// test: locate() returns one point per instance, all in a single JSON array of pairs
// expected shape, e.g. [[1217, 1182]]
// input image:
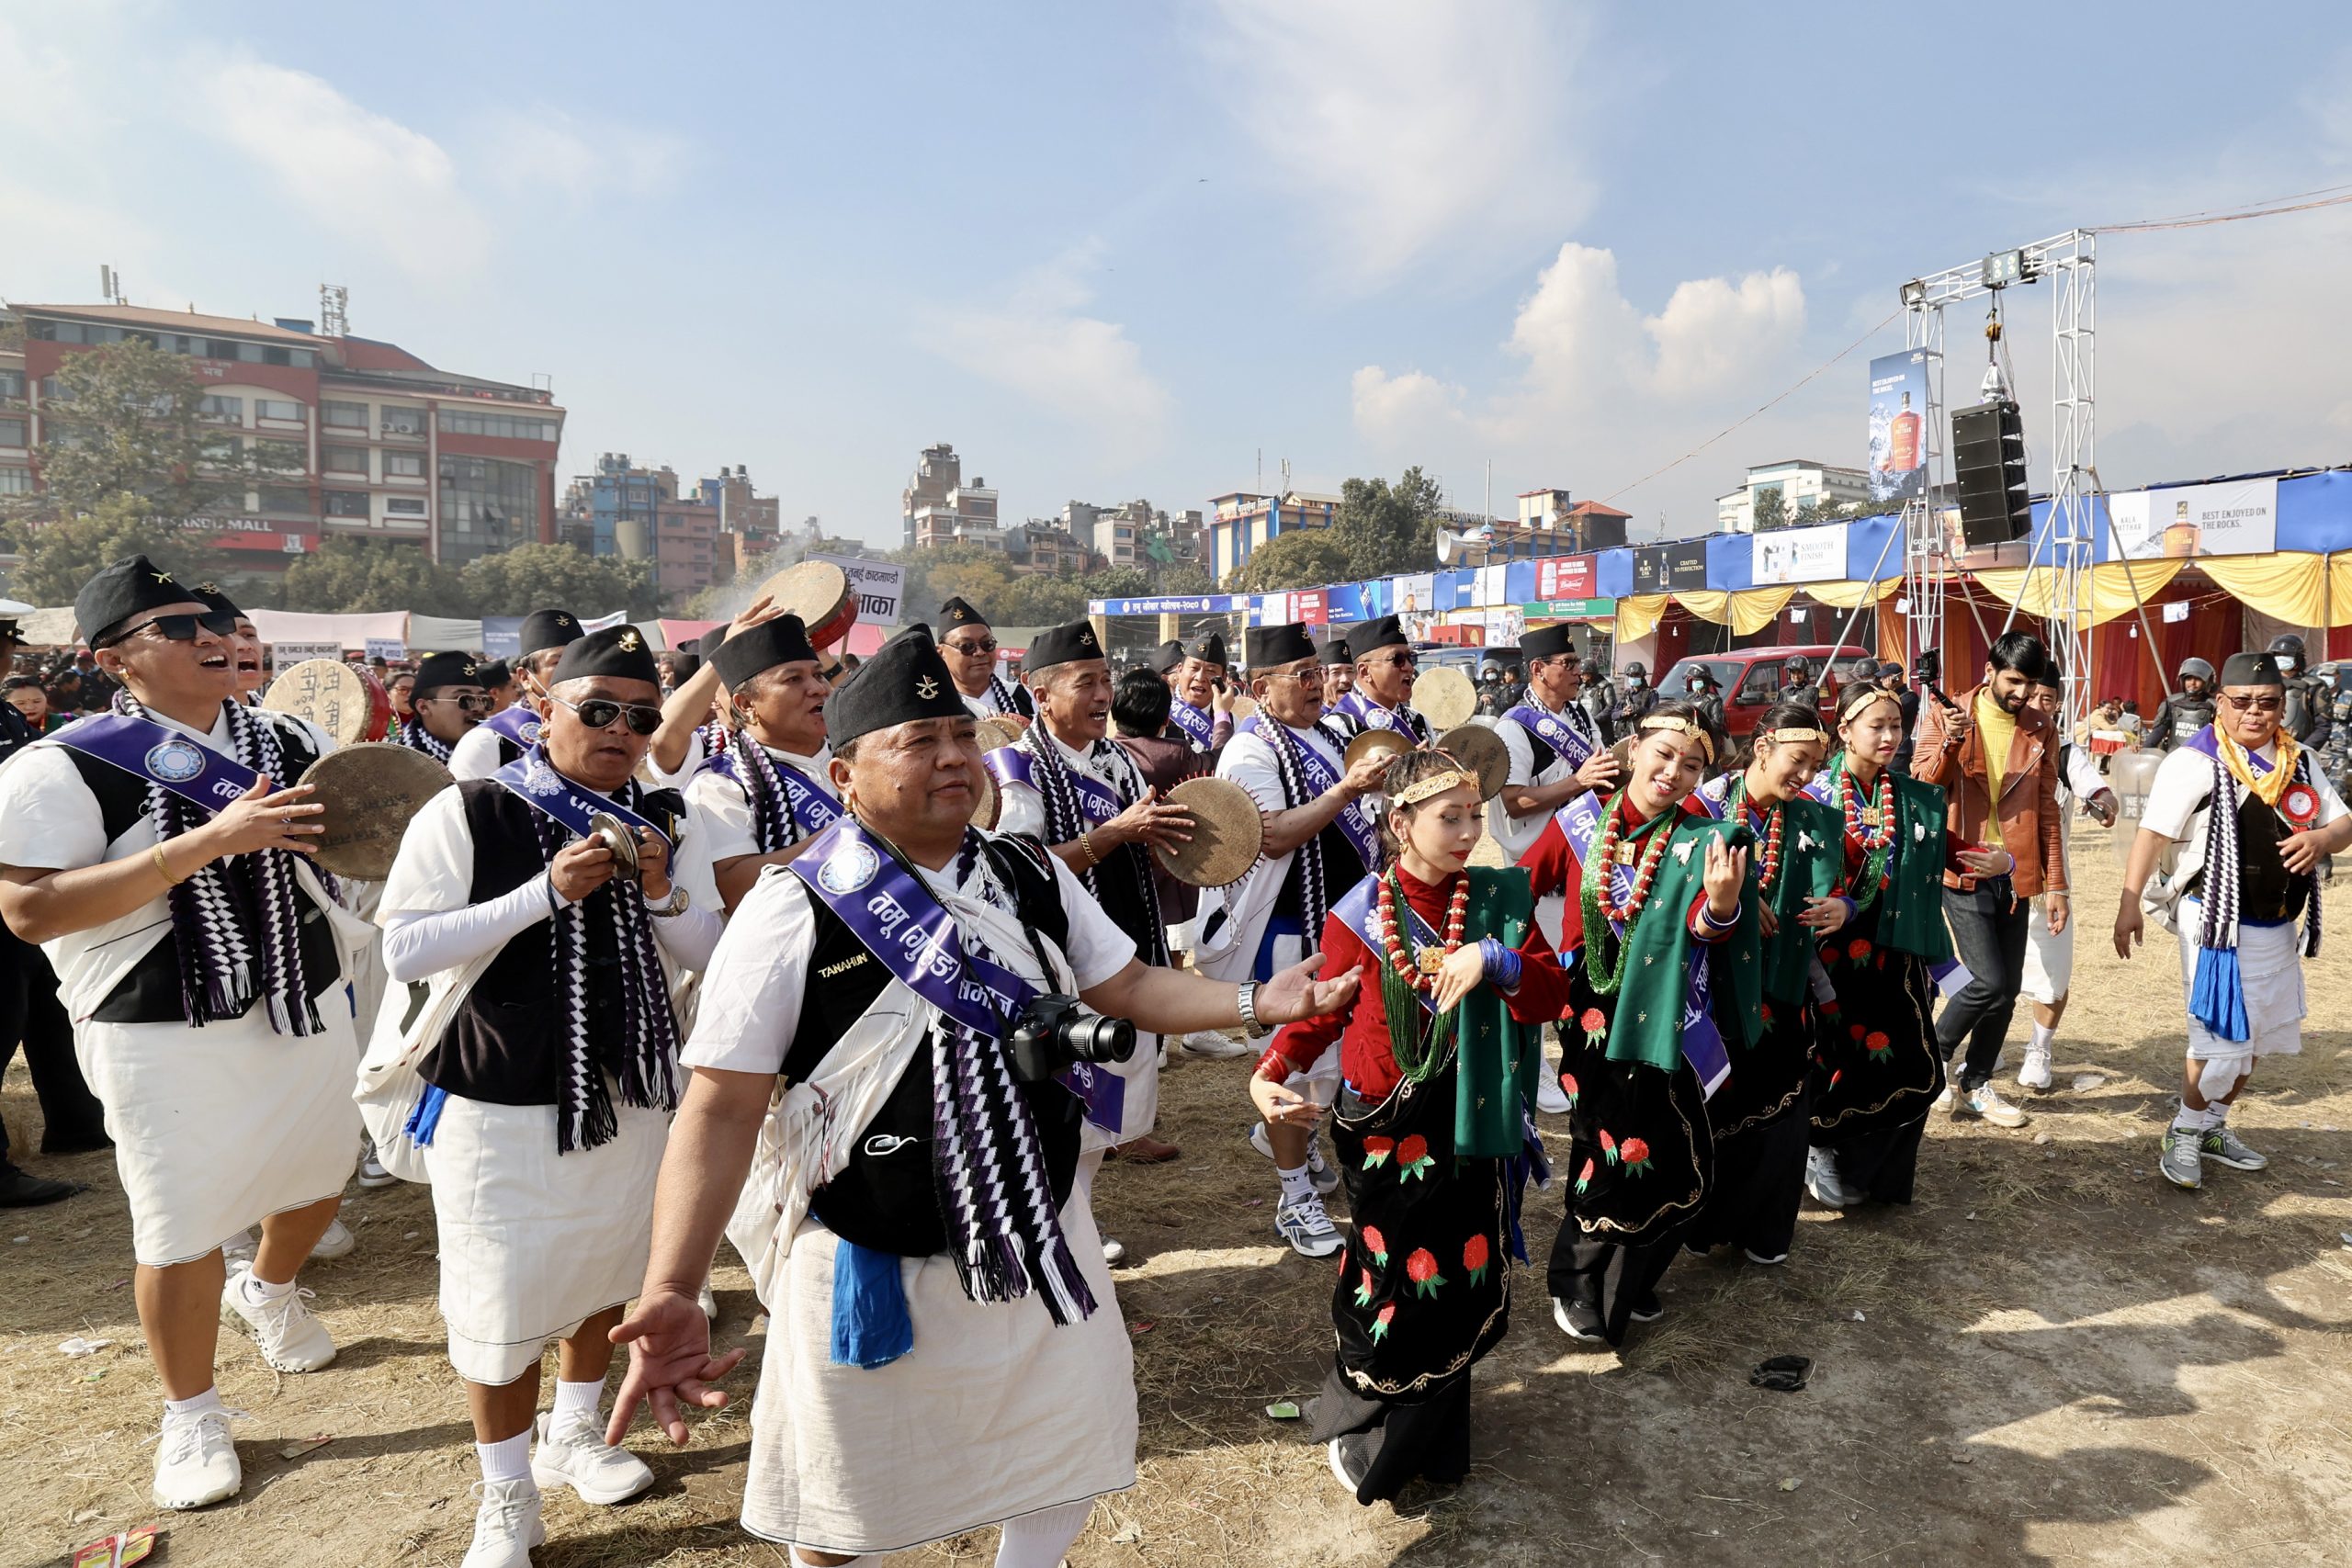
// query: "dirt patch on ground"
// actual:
[[2051, 1358]]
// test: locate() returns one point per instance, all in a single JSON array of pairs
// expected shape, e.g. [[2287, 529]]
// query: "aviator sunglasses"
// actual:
[[598, 713], [181, 628]]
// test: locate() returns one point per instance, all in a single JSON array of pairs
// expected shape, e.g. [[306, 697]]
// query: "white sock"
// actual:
[[575, 1400], [203, 1404], [1039, 1539], [2215, 1115], [506, 1460], [2199, 1120], [1297, 1184], [257, 1289], [2044, 1037]]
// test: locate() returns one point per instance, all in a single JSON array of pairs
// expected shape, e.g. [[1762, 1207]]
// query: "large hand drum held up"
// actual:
[[370, 791], [1227, 833]]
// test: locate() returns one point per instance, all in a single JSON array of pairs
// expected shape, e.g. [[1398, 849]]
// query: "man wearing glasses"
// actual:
[[447, 701], [549, 1046], [970, 647], [501, 737], [154, 855], [1202, 711], [1384, 686], [2248, 820]]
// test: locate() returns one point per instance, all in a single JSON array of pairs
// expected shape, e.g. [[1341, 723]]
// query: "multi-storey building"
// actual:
[[1577, 526], [1042, 547], [642, 513], [937, 507], [1800, 483], [1241, 521], [369, 439]]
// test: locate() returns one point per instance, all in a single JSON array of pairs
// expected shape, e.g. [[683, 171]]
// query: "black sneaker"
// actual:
[[1649, 1309], [70, 1141], [23, 1189], [1578, 1320], [1352, 1455]]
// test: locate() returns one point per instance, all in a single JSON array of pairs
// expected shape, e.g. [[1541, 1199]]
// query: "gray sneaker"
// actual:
[[1821, 1181], [2221, 1146], [2178, 1163]]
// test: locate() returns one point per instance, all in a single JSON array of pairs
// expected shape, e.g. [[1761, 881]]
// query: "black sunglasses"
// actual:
[[598, 713], [181, 628]]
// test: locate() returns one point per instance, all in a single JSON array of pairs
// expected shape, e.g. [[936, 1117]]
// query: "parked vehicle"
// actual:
[[1750, 678]]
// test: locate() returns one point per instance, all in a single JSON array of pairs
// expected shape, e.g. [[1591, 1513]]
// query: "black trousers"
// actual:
[[1608, 1276], [1429, 1437], [1757, 1188], [1882, 1165], [1988, 929], [31, 1014]]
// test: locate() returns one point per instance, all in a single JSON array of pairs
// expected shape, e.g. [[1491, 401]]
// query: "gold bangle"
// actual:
[[1086, 846], [164, 867]]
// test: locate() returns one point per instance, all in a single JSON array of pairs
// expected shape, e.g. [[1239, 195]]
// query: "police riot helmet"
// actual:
[[2196, 670], [2288, 646]]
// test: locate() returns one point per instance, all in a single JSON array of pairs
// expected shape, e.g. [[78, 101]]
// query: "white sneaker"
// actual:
[[1307, 1227], [1209, 1043], [579, 1458], [1821, 1181], [197, 1461], [1549, 1098], [371, 1169], [1321, 1171], [1113, 1252], [338, 1242], [1952, 1092], [2035, 1074], [1986, 1102], [292, 1340], [506, 1526]]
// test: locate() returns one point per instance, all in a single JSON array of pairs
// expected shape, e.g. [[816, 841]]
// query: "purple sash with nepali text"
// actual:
[[203, 777], [1321, 779]]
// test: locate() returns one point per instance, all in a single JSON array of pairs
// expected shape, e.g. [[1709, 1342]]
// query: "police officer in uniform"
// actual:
[[2185, 711], [1797, 684], [1634, 703], [2311, 706]]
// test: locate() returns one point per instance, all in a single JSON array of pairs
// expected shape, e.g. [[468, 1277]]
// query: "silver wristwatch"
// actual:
[[676, 905], [1246, 999]]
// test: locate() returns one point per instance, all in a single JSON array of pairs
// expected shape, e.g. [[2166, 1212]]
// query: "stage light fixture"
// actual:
[[2005, 267], [1914, 293]]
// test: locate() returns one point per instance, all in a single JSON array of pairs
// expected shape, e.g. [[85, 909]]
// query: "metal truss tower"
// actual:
[[2066, 542]]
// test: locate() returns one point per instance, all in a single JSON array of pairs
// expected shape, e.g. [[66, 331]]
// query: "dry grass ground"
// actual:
[[2051, 1358]]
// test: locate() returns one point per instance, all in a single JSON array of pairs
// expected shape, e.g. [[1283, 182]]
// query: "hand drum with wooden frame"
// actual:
[[817, 591], [1227, 831], [1483, 752], [1446, 698], [351, 705], [370, 791]]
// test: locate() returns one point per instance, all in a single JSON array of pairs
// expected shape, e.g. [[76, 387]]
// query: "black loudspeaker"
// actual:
[[1988, 465]]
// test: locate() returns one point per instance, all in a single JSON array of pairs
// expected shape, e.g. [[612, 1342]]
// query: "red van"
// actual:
[[1750, 677]]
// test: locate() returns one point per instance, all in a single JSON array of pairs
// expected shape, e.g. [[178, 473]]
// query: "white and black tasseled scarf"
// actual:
[[774, 827], [2223, 866], [987, 1162], [417, 738], [219, 910], [648, 1067], [1314, 879], [1006, 697], [1065, 821]]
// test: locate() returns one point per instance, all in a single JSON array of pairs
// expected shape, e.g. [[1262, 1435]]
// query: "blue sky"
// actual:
[[1112, 251]]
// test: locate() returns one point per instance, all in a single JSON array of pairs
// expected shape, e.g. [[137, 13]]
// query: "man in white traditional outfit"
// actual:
[[944, 1350], [1386, 669], [767, 792], [549, 1046], [969, 644], [1068, 785], [692, 731], [154, 856], [2049, 973], [1319, 844], [448, 702], [504, 736], [1557, 753], [1201, 709], [2247, 821]]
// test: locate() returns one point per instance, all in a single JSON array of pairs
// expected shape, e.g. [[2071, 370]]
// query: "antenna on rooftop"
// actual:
[[110, 285], [334, 310]]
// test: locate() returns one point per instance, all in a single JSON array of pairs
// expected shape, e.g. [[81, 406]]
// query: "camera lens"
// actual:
[[1097, 1039]]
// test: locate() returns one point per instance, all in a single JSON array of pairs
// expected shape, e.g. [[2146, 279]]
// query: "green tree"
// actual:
[[1184, 576], [63, 553], [353, 576], [1387, 529], [127, 424], [1771, 510], [1305, 558], [922, 597], [516, 581], [982, 578]]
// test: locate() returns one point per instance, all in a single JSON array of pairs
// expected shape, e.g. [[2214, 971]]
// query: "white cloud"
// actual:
[[1390, 407], [1040, 344], [366, 176], [1714, 332], [1407, 127], [546, 149]]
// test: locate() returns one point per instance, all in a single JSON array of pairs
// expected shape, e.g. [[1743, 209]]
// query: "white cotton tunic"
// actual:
[[996, 1412], [1532, 765], [531, 1242], [214, 1128]]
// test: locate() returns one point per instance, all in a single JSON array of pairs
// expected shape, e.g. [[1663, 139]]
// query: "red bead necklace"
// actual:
[[1418, 970], [1605, 855], [1776, 821]]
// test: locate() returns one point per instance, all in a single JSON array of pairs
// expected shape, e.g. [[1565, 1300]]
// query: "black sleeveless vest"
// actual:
[[507, 1044], [886, 1198], [150, 992]]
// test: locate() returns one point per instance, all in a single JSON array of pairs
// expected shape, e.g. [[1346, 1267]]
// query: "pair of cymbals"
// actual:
[[1473, 746]]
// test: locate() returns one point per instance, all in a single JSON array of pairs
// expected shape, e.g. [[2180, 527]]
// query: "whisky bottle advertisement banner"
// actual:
[[1898, 446]]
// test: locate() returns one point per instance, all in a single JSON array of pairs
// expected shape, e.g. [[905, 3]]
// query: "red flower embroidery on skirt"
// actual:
[[1596, 1026], [1376, 1151], [1584, 1177], [1636, 1152], [1422, 1268], [1608, 1146], [1413, 1158], [1376, 1244], [1474, 1258]]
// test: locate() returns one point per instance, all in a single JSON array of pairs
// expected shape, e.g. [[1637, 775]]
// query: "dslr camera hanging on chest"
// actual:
[[1054, 1032], [614, 834]]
